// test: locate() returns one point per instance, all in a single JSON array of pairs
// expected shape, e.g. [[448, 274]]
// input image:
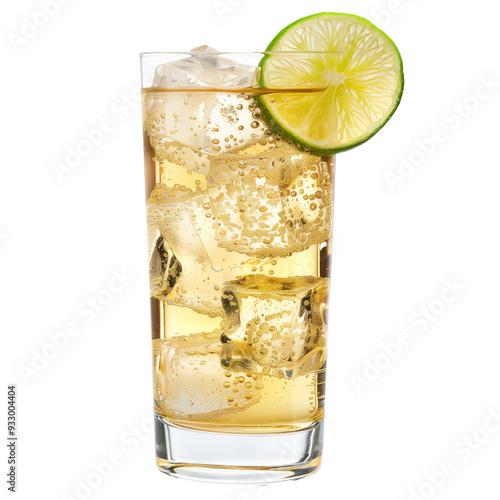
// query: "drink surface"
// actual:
[[239, 226]]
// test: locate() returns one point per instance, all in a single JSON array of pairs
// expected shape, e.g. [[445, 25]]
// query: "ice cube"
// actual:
[[181, 271], [188, 127], [206, 67], [190, 383], [275, 326], [271, 205], [186, 124]]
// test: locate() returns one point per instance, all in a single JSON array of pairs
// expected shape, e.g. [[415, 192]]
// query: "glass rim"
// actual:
[[222, 53]]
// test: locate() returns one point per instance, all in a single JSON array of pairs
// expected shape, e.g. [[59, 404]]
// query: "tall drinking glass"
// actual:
[[239, 228]]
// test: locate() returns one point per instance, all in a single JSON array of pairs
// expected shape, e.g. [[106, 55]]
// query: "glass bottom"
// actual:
[[237, 458]]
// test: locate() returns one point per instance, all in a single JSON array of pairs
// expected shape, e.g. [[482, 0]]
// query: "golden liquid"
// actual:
[[239, 225]]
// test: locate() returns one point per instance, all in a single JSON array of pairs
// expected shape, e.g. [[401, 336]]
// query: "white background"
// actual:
[[61, 240]]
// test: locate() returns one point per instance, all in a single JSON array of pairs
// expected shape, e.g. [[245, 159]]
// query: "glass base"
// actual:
[[237, 458]]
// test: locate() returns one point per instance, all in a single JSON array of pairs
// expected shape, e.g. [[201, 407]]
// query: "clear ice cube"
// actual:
[[205, 68], [181, 271], [186, 126], [275, 326], [190, 383], [271, 205]]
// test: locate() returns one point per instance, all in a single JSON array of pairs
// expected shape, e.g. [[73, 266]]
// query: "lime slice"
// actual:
[[355, 68]]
